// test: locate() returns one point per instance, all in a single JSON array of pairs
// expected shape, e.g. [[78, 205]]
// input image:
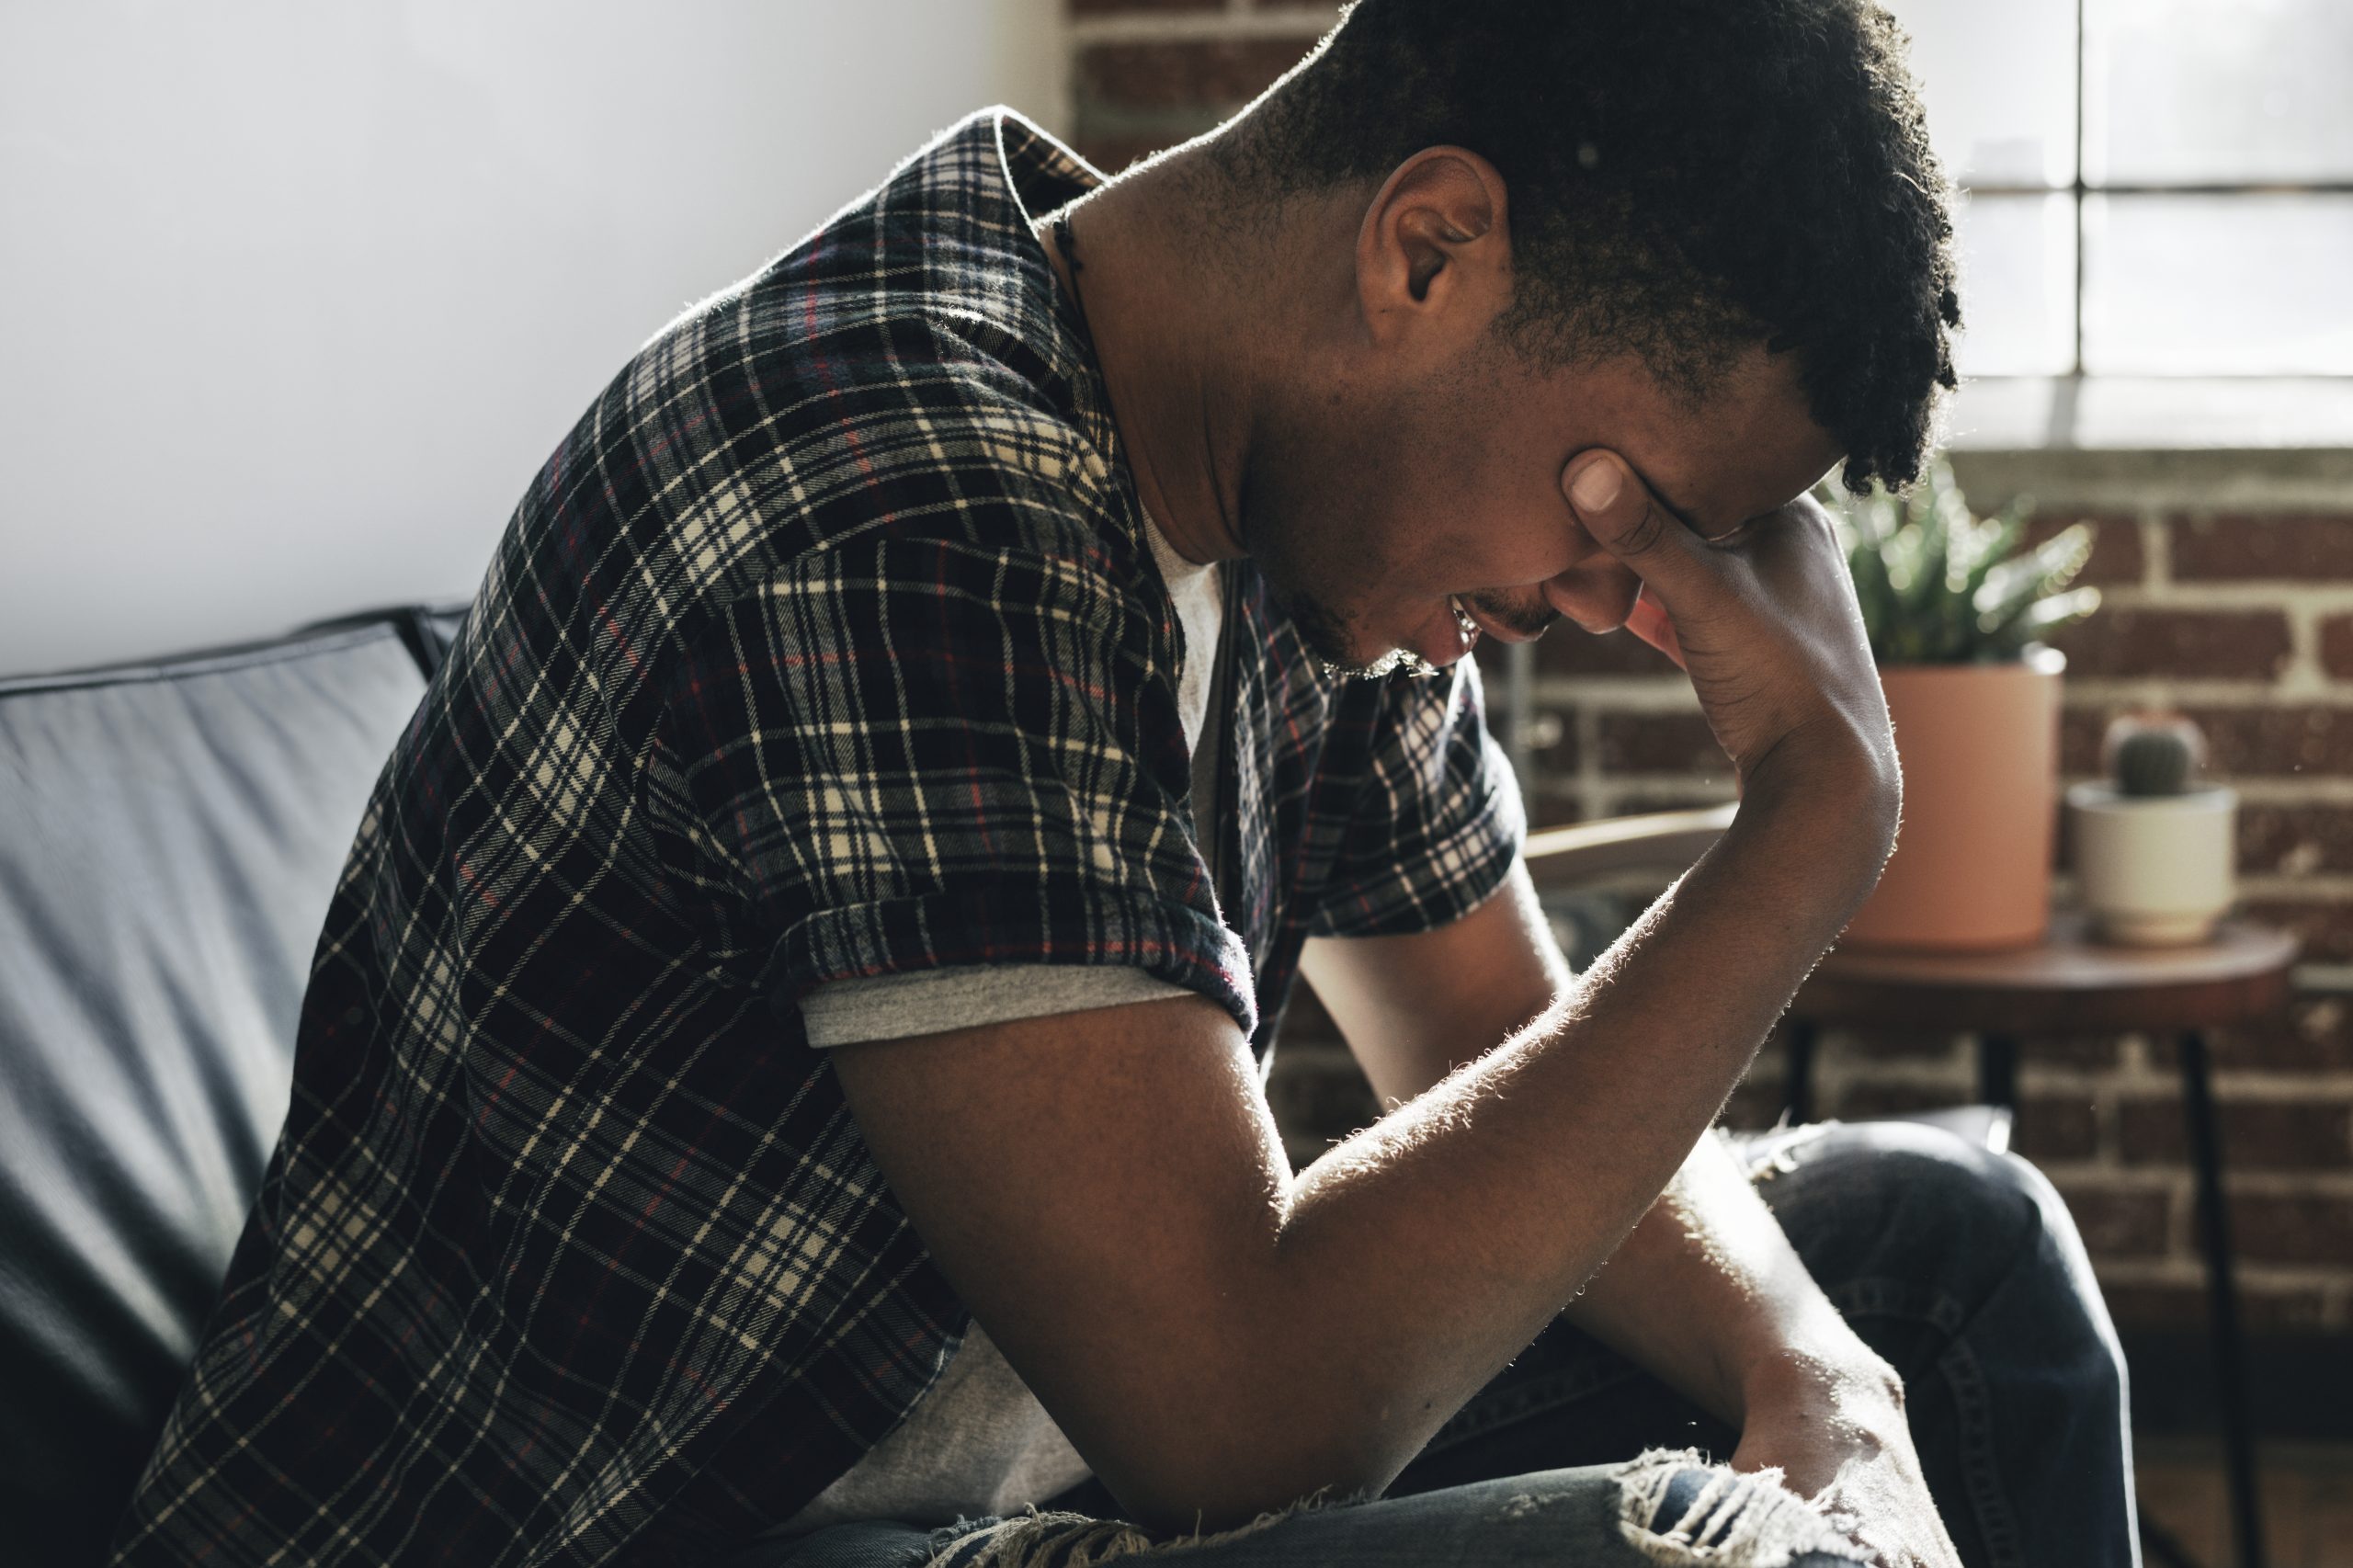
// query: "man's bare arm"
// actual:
[[1746, 1314], [1744, 1310], [1750, 1336], [1219, 1337]]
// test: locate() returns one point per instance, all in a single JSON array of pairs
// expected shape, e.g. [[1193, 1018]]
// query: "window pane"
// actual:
[[2018, 285], [2218, 284], [1999, 78], [2192, 91]]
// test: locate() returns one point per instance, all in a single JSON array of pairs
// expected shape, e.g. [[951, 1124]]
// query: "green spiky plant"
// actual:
[[1941, 585]]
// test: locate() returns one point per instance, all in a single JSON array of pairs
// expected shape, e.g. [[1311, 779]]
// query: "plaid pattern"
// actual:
[[827, 644]]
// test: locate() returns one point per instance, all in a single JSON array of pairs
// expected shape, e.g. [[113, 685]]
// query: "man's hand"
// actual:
[[1835, 1428], [1764, 619], [1754, 1340]]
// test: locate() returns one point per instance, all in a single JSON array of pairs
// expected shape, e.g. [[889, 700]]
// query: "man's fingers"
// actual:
[[1648, 622], [1618, 510]]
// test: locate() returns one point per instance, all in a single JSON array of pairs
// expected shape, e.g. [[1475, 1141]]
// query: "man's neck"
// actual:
[[1166, 332]]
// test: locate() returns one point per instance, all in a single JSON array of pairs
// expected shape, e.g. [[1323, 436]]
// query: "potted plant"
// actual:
[[1956, 607], [2154, 849]]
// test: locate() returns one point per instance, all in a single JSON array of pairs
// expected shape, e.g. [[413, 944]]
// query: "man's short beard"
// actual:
[[1324, 630], [1326, 633]]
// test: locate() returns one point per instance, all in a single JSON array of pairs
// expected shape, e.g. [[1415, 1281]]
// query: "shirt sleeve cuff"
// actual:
[[890, 1007]]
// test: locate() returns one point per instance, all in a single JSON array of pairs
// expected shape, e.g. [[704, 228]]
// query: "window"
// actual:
[[2150, 187]]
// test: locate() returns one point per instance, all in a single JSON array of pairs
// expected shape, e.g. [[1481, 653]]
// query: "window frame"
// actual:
[[2079, 189]]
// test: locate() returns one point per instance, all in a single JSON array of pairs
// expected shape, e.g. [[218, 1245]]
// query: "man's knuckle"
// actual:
[[1646, 533]]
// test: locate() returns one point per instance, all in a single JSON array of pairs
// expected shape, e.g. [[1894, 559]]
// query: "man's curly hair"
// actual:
[[1686, 177]]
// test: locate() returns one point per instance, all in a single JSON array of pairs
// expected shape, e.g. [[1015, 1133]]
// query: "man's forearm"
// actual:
[[1486, 1202], [1744, 1306]]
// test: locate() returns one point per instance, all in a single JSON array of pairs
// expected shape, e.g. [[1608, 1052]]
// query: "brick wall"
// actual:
[[2228, 578], [1149, 73], [2230, 584]]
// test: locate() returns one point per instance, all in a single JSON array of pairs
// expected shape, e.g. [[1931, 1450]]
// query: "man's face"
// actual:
[[1380, 503]]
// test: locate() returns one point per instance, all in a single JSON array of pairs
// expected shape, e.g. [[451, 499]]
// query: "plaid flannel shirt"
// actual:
[[827, 644]]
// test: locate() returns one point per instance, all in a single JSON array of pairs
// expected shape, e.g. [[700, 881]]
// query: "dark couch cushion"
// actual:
[[441, 627], [170, 835]]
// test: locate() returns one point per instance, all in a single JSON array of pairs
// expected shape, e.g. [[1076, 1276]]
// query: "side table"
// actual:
[[2070, 985]]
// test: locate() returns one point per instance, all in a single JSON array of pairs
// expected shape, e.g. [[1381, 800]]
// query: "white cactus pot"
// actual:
[[2155, 871]]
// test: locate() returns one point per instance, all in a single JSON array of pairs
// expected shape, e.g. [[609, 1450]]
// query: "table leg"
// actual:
[[2221, 1300], [1997, 1071], [1797, 1083]]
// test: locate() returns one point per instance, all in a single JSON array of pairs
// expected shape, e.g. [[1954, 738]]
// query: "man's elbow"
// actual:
[[1221, 1493], [1228, 1468]]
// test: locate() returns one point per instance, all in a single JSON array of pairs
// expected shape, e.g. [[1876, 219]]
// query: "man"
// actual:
[[778, 1083]]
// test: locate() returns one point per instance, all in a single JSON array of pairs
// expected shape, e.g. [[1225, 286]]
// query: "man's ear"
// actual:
[[1433, 244]]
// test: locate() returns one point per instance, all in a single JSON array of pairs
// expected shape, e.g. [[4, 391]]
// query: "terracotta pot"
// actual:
[[1972, 869]]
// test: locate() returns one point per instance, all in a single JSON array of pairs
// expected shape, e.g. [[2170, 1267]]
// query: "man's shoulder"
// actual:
[[901, 400], [909, 368]]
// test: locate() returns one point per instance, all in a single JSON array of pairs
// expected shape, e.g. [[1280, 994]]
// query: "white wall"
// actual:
[[295, 298]]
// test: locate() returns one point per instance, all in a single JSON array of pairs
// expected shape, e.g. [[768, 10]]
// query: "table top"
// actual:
[[2068, 984]]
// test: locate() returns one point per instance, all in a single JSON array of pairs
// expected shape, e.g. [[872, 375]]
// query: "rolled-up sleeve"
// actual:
[[908, 754]]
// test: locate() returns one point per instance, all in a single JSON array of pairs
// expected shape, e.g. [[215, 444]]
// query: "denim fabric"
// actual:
[[1562, 1516], [1960, 1266]]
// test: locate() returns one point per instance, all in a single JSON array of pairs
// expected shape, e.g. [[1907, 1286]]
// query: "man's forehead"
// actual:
[[1682, 511], [1726, 518], [1747, 448]]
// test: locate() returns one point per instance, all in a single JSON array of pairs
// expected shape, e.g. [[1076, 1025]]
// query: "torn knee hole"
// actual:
[[1678, 1508]]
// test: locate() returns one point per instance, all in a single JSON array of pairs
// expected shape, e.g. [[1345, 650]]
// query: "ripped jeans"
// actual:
[[1960, 1268]]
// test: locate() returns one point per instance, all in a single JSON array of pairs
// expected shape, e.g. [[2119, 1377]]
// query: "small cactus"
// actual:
[[2150, 759]]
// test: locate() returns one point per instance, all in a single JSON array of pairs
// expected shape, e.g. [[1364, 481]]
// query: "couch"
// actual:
[[169, 834]]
